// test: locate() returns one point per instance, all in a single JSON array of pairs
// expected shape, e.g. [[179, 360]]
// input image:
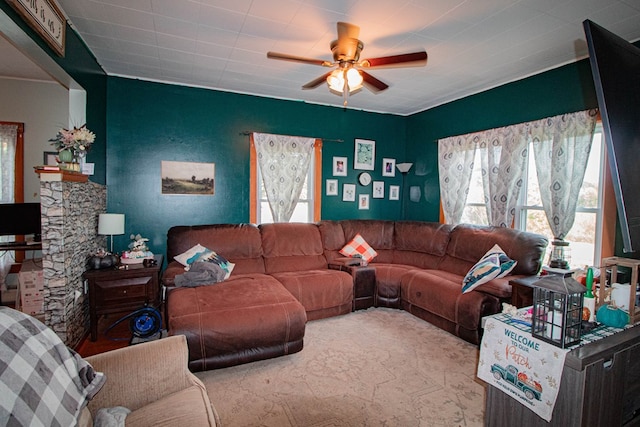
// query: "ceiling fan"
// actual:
[[349, 76]]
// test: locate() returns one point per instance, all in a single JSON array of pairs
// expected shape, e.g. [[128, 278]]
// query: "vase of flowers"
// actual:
[[72, 146]]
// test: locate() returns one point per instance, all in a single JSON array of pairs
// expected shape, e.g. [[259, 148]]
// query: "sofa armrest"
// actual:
[[140, 374], [364, 282]]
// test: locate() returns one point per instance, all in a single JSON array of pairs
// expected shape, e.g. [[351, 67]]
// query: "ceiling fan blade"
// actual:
[[348, 31], [371, 83], [415, 59], [317, 82], [293, 58]]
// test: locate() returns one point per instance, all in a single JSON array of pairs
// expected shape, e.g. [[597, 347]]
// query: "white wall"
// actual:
[[43, 108]]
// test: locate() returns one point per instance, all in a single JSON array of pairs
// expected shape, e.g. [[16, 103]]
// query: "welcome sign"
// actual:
[[527, 369]]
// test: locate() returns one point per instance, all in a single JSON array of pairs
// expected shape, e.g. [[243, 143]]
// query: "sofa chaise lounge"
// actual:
[[286, 274]]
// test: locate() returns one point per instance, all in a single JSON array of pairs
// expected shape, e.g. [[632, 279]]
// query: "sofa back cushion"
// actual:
[[468, 243], [239, 243], [292, 247], [332, 237], [377, 233], [422, 244]]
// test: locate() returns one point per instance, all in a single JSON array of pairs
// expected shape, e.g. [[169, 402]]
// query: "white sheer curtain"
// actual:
[[503, 154], [455, 164], [284, 164], [561, 146], [8, 143]]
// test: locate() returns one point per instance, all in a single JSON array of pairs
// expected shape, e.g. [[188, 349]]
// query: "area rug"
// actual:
[[375, 367]]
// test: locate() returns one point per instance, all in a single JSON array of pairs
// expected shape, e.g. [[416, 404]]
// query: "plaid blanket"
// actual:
[[42, 382]]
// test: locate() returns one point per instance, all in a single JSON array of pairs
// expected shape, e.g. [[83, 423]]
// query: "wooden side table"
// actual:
[[118, 290], [522, 291], [364, 283]]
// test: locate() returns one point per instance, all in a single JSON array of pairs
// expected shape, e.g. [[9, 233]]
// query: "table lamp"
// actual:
[[110, 224]]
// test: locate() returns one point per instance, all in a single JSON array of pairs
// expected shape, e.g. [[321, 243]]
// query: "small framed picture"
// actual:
[[349, 193], [388, 167], [339, 166], [50, 158], [378, 189], [364, 155], [332, 187], [363, 201], [394, 192]]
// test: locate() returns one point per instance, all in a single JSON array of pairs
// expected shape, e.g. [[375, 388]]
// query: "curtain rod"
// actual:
[[323, 139]]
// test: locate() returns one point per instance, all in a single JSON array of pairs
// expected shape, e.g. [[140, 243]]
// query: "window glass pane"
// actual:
[[301, 212], [476, 192], [582, 238], [588, 197], [265, 216], [474, 215], [533, 189]]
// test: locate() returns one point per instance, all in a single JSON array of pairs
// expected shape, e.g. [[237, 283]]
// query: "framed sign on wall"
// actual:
[[46, 19]]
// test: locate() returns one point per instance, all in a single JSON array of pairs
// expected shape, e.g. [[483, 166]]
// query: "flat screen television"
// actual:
[[17, 219], [615, 66]]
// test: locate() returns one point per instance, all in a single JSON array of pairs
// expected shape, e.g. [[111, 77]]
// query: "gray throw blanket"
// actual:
[[200, 273], [43, 381]]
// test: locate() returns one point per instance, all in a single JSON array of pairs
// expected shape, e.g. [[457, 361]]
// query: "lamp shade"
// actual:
[[111, 224], [404, 167]]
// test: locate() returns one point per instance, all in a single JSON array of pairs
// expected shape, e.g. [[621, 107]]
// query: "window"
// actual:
[[309, 204], [304, 211], [585, 235]]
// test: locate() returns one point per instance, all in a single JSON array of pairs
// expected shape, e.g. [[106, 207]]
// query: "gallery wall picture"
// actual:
[[378, 189], [349, 193], [187, 178], [388, 167], [332, 187], [50, 158], [363, 201], [364, 154], [339, 166], [394, 192]]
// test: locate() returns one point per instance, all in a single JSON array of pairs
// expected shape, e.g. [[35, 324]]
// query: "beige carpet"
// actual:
[[377, 367]]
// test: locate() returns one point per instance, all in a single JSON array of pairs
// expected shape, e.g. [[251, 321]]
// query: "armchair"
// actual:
[[153, 381]]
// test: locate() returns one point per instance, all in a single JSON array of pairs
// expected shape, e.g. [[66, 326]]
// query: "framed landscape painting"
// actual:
[[188, 178]]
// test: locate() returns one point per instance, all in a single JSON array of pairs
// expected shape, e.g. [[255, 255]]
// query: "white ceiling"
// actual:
[[473, 45]]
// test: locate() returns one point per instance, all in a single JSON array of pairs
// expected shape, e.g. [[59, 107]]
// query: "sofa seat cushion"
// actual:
[[388, 279], [188, 407], [323, 293], [246, 318], [443, 297]]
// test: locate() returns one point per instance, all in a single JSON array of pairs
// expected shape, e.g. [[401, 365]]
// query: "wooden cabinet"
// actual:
[[600, 387], [364, 283], [122, 290]]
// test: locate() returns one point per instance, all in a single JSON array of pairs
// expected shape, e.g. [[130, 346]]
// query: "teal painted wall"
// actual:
[[150, 122], [562, 90]]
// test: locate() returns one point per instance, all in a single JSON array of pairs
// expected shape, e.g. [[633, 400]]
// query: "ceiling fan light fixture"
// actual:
[[354, 79], [337, 79]]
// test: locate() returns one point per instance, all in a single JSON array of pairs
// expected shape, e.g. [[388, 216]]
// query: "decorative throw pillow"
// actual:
[[186, 258], [358, 246], [219, 260], [494, 264]]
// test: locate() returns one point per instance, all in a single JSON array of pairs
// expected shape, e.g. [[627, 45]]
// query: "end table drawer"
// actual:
[[125, 289]]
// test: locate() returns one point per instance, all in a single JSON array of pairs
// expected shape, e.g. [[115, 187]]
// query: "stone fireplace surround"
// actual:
[[69, 212]]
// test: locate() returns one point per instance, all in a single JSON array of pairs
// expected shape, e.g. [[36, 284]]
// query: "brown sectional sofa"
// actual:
[[286, 274]]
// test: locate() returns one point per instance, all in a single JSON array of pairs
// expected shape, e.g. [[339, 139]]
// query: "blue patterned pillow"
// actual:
[[222, 262], [494, 264]]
